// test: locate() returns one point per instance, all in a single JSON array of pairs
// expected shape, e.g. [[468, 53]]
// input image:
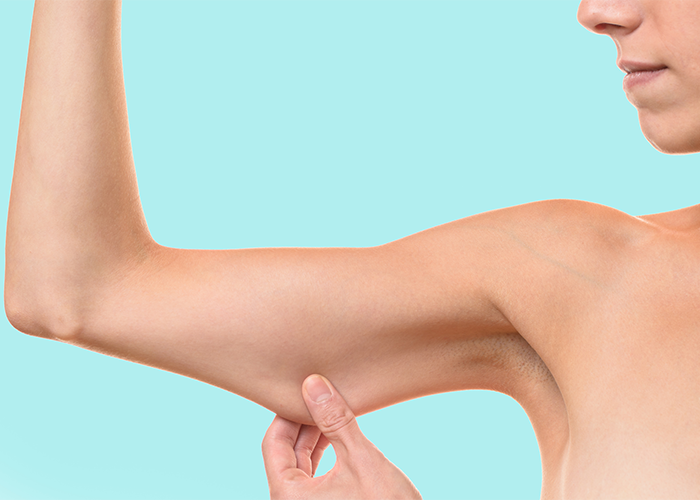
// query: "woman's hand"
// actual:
[[292, 452]]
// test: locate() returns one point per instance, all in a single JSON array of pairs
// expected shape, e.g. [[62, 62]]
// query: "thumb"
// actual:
[[331, 414]]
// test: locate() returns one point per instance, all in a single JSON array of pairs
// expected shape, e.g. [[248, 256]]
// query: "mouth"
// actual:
[[639, 73], [639, 67]]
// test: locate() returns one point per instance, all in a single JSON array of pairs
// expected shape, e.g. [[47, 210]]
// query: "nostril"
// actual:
[[605, 27]]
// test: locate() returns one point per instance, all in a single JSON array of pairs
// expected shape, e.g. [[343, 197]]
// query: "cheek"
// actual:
[[678, 25]]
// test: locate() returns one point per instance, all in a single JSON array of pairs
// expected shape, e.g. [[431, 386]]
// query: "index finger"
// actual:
[[278, 447]]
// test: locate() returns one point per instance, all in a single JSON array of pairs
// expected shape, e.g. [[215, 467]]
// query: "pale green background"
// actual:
[[320, 123]]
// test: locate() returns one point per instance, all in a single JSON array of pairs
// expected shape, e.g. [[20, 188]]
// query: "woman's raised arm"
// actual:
[[75, 219], [388, 323]]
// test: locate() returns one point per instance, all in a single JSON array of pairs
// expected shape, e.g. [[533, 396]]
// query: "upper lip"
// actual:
[[634, 66]]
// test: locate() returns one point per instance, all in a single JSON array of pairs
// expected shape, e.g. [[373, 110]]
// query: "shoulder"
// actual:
[[541, 236], [552, 259], [571, 231], [550, 218], [572, 216], [522, 262], [571, 227]]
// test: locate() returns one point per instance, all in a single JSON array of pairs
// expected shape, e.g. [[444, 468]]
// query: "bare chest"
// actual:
[[628, 370]]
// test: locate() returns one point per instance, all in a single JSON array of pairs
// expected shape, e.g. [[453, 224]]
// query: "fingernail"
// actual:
[[317, 389]]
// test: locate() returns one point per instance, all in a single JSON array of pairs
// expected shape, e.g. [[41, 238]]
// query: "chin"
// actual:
[[673, 135]]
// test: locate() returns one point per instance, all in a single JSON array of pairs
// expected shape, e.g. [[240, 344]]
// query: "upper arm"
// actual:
[[380, 322], [385, 323]]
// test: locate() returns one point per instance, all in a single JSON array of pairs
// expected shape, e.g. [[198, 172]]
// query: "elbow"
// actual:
[[30, 317]]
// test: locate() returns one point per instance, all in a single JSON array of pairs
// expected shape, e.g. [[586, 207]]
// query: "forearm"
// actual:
[[75, 218]]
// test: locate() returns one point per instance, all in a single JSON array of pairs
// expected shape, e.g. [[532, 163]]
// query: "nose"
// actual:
[[610, 17]]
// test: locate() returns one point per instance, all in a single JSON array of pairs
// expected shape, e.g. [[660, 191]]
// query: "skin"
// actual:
[[585, 315]]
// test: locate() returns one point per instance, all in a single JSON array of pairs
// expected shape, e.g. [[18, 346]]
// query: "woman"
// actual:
[[554, 303]]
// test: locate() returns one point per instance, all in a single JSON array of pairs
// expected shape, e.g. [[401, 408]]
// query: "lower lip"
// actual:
[[638, 78]]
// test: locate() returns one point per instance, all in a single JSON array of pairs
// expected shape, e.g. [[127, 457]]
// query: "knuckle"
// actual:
[[306, 447], [333, 420]]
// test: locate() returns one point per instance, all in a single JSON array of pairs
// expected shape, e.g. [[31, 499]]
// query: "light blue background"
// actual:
[[320, 123]]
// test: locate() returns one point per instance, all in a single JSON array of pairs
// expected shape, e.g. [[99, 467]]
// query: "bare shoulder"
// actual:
[[553, 251], [534, 266], [573, 231], [572, 218], [543, 263], [562, 217], [558, 234]]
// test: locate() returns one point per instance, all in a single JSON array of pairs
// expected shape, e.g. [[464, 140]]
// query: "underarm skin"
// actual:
[[385, 324]]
